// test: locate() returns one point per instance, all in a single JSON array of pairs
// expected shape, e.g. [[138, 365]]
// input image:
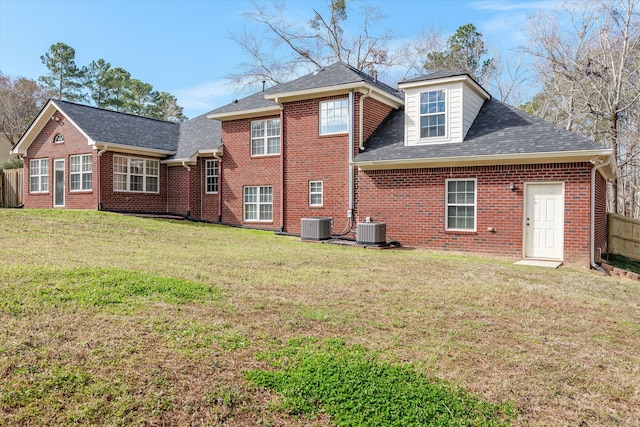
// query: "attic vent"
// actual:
[[371, 233], [315, 228]]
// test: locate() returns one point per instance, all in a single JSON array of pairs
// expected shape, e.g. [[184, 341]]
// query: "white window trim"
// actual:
[[320, 117], [81, 173], [321, 193], [434, 139], [258, 203], [475, 205], [265, 139], [40, 175], [144, 175], [207, 176]]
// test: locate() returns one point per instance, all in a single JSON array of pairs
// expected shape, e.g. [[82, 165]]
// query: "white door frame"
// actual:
[[55, 182], [526, 222]]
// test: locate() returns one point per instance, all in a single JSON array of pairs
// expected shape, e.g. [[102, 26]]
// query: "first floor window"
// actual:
[[334, 117], [39, 175], [461, 204], [315, 193], [258, 203], [265, 137], [134, 174], [80, 173], [212, 176]]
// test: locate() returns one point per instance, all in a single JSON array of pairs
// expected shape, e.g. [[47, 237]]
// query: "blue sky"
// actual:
[[183, 47]]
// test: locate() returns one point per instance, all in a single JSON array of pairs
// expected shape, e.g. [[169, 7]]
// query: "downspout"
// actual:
[[361, 118], [592, 240], [184, 165], [351, 148], [100, 153], [219, 159], [277, 101]]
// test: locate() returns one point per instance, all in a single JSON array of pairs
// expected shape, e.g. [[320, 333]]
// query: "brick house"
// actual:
[[439, 161]]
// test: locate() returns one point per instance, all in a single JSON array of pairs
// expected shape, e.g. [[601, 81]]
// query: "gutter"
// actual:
[[592, 236], [351, 149], [361, 118]]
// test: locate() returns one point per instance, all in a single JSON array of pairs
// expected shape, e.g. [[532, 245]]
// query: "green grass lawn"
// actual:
[[117, 320]]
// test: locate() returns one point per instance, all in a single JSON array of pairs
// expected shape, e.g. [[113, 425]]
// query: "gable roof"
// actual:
[[500, 134], [336, 78], [440, 74], [107, 128]]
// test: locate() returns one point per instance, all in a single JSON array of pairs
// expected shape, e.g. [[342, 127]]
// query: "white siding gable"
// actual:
[[462, 104]]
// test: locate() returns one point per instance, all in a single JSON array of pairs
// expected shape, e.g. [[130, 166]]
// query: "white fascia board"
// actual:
[[130, 149], [445, 80], [243, 114], [193, 159], [489, 160], [362, 87]]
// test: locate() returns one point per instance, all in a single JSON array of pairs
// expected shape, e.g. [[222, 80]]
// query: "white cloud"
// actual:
[[205, 96]]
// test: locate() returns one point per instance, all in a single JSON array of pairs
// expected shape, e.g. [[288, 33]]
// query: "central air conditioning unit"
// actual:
[[315, 228], [371, 233]]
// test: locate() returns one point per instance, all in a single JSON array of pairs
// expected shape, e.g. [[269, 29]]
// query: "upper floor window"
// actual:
[[39, 175], [461, 204], [80, 173], [212, 176], [432, 114], [265, 137], [58, 138], [134, 174], [334, 117]]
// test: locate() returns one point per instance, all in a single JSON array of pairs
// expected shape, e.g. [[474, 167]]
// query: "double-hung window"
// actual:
[[334, 117], [265, 137], [211, 167], [80, 173], [432, 114], [39, 175], [258, 203], [315, 193], [135, 174], [461, 204]]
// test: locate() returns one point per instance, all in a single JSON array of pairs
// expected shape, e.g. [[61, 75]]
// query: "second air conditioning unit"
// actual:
[[371, 233]]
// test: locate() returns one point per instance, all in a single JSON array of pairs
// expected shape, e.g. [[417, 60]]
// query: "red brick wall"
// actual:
[[310, 156], [203, 206], [177, 190], [131, 201], [412, 204], [240, 169], [43, 147]]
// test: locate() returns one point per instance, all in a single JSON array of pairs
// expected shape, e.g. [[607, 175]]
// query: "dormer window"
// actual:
[[432, 114], [58, 138]]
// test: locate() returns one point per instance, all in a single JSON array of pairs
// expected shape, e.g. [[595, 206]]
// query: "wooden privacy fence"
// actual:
[[10, 188], [624, 236]]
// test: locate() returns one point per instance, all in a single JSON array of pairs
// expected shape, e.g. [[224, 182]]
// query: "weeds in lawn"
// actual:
[[355, 389]]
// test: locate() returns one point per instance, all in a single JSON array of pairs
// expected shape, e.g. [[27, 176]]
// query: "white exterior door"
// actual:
[[58, 182], [544, 221]]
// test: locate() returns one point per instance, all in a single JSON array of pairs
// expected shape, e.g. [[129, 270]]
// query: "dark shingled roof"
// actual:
[[198, 134], [121, 128], [498, 129], [107, 126], [336, 74]]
